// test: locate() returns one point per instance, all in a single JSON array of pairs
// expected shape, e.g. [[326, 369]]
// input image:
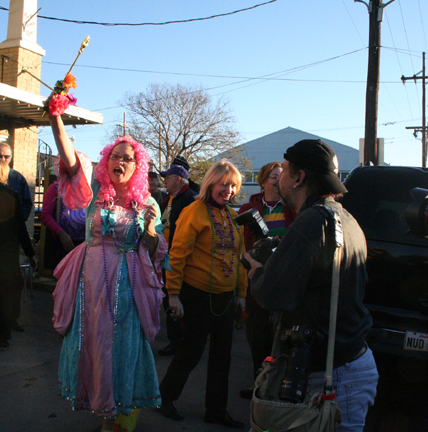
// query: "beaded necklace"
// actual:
[[215, 227], [112, 232], [220, 231]]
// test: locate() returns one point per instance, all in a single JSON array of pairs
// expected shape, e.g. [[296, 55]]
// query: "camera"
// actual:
[[264, 246], [295, 380]]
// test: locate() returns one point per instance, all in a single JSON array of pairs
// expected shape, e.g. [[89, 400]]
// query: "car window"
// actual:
[[378, 199]]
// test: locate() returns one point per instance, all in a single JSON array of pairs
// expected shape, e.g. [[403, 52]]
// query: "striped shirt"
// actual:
[[273, 215]]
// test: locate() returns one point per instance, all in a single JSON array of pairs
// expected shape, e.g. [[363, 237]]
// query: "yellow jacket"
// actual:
[[192, 256]]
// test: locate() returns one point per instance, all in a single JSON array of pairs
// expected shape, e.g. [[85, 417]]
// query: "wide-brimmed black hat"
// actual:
[[318, 157]]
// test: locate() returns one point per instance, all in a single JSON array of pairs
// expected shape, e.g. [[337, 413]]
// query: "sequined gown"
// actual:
[[107, 366]]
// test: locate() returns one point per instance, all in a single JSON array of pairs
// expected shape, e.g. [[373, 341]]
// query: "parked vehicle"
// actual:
[[393, 216]]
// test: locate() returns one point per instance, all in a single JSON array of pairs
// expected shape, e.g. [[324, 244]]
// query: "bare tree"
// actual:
[[180, 121]]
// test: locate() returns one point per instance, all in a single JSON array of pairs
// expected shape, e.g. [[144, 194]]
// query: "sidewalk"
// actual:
[[30, 399]]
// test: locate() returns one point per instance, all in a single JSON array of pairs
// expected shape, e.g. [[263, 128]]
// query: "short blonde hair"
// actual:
[[221, 170], [4, 171]]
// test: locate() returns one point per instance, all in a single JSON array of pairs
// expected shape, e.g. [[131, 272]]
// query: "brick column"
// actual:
[[23, 140]]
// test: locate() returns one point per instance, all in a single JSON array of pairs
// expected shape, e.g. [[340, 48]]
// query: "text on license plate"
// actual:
[[416, 341]]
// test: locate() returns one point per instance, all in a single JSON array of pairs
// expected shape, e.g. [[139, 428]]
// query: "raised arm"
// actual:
[[65, 148]]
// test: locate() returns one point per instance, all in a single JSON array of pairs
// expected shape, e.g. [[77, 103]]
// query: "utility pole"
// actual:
[[371, 149], [124, 125], [422, 128]]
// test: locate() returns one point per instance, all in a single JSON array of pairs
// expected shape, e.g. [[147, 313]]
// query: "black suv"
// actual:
[[391, 206], [397, 292]]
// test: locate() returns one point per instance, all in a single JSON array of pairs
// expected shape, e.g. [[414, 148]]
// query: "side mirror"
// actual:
[[417, 212]]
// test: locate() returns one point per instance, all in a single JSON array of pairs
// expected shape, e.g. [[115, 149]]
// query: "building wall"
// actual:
[[24, 139], [271, 148]]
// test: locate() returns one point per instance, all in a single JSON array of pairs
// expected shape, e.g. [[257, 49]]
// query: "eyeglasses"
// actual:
[[127, 159], [5, 157], [273, 177]]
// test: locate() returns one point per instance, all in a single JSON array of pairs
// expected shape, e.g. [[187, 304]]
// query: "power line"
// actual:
[[152, 23], [398, 60], [405, 32], [423, 26], [404, 51], [356, 28], [263, 77]]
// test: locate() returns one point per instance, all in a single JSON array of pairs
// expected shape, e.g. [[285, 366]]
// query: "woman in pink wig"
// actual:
[[109, 288]]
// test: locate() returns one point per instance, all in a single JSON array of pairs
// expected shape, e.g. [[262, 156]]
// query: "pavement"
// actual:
[[30, 400]]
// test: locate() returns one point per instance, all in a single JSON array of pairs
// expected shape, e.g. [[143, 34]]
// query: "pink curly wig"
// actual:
[[139, 189]]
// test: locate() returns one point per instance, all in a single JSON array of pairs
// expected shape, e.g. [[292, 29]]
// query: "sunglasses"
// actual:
[[5, 157]]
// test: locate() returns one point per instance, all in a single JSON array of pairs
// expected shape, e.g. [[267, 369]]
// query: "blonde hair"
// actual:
[[221, 170], [4, 171]]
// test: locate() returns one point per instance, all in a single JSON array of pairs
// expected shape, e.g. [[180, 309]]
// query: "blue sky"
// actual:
[[315, 50]]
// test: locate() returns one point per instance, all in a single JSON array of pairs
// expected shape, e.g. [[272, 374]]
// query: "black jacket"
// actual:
[[184, 197], [297, 279]]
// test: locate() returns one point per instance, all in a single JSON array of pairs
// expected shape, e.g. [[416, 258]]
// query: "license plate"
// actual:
[[416, 341]]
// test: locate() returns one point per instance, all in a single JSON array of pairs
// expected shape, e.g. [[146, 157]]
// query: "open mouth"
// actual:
[[118, 171]]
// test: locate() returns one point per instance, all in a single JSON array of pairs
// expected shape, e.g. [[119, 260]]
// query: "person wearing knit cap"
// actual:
[[179, 160]]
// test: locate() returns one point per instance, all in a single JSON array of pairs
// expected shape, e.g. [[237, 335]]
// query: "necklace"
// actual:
[[134, 248], [222, 236], [211, 215]]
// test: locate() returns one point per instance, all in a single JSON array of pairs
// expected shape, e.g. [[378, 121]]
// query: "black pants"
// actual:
[[174, 331], [259, 332], [10, 301], [198, 323]]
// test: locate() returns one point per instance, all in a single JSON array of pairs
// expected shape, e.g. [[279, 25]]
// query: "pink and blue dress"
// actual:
[[106, 304]]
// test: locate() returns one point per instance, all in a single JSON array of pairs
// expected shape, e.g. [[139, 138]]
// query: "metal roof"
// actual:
[[20, 108]]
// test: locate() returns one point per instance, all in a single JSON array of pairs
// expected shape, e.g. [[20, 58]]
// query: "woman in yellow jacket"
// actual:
[[206, 282]]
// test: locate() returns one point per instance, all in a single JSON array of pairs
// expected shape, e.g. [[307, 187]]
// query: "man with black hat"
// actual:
[[179, 196], [297, 278], [179, 160], [154, 188]]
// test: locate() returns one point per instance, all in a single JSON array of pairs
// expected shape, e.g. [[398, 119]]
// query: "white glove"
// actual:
[[240, 303], [176, 306]]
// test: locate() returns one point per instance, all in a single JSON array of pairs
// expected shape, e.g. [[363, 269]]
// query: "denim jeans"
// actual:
[[355, 385]]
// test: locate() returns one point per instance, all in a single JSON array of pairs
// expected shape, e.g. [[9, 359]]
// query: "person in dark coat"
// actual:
[[297, 278], [17, 182], [154, 188], [179, 196], [13, 234]]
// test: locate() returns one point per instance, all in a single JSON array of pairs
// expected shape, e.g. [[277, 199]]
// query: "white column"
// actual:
[[22, 26]]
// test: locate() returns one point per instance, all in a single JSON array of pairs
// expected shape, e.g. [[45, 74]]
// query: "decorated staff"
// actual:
[[60, 99]]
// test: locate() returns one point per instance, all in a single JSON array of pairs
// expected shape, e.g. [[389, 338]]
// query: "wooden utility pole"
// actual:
[[422, 128], [124, 125], [371, 150]]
